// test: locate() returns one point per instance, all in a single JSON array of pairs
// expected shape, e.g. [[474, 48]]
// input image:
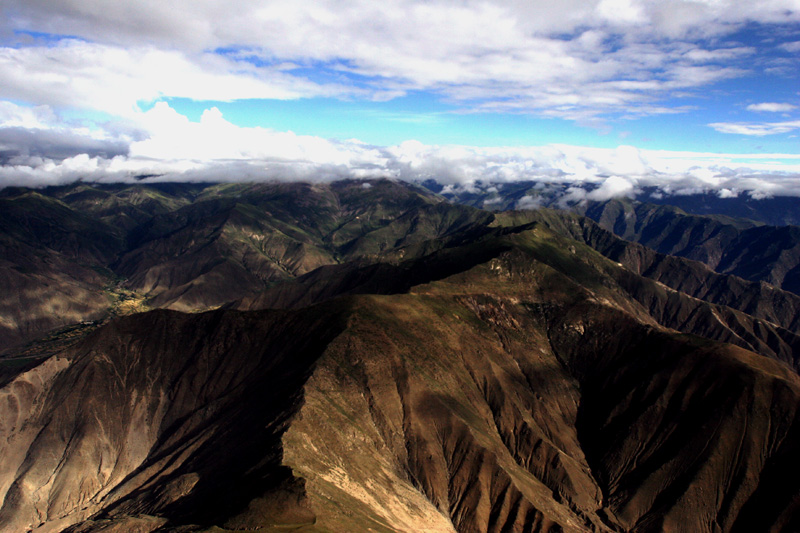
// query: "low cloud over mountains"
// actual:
[[38, 148]]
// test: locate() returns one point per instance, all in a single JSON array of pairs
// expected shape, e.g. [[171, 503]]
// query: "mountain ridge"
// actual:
[[449, 370], [512, 335]]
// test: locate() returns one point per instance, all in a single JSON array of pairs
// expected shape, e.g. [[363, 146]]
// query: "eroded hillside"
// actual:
[[509, 380]]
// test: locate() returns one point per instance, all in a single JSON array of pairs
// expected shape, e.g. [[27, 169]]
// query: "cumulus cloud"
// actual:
[[613, 187], [13, 115]]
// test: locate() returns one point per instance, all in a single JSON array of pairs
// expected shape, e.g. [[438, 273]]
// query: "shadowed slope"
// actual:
[[158, 412], [728, 246], [47, 255]]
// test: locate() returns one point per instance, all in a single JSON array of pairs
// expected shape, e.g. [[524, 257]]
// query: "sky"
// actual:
[[687, 96]]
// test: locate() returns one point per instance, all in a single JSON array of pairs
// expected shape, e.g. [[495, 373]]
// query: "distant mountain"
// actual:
[[69, 252], [687, 295], [729, 246], [730, 235], [777, 211]]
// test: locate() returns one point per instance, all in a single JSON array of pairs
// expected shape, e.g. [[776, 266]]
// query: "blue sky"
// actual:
[[769, 74], [686, 94]]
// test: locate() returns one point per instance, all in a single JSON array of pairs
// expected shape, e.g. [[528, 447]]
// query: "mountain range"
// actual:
[[370, 355], [755, 239]]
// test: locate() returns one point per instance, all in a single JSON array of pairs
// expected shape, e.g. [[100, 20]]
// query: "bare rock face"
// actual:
[[517, 381], [437, 409]]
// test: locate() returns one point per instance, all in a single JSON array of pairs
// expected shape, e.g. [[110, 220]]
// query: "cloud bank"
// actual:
[[163, 145]]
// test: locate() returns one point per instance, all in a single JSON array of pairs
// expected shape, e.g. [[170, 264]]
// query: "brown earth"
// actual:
[[531, 389]]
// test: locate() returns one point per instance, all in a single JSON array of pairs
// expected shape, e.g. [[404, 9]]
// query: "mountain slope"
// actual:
[[218, 250], [138, 412], [524, 390], [686, 296], [48, 255], [729, 246], [728, 235], [69, 250], [673, 292]]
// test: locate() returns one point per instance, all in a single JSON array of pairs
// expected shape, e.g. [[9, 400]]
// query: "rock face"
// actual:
[[509, 379], [156, 411]]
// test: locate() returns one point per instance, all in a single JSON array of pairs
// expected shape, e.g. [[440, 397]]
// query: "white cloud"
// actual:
[[792, 47], [722, 54], [291, 28], [213, 149], [756, 129], [38, 132], [526, 202], [613, 187], [577, 59], [173, 137], [112, 79], [13, 115], [772, 107]]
